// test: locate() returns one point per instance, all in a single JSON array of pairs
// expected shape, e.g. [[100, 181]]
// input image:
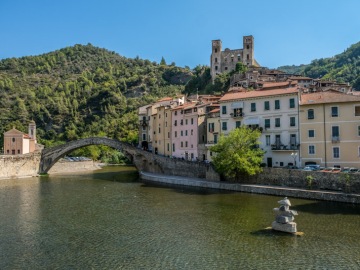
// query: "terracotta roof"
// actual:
[[184, 106], [299, 78], [215, 110], [165, 99], [258, 93], [278, 84], [327, 97]]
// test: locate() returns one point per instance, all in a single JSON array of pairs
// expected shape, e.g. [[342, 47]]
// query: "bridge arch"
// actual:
[[50, 156]]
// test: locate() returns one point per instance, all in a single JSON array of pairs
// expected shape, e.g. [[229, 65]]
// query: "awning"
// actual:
[[252, 121]]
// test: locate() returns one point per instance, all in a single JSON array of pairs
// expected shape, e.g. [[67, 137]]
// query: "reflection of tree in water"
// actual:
[[328, 208]]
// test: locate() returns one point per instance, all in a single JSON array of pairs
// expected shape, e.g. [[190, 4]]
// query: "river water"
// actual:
[[108, 219]]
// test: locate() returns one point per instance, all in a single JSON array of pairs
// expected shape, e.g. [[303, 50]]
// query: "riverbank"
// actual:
[[64, 166], [249, 188]]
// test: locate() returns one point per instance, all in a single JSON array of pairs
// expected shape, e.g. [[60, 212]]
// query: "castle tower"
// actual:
[[248, 50], [32, 130], [215, 58]]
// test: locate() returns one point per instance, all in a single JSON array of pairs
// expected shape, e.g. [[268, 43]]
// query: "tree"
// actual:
[[163, 62], [238, 153], [240, 67]]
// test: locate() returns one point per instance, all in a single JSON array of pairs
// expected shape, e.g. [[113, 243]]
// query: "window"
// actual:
[[238, 112], [13, 139], [292, 121], [192, 132], [311, 149], [159, 130], [181, 144], [173, 147], [168, 147], [247, 57], [277, 122], [253, 107], [334, 112], [159, 116], [226, 68], [186, 121], [267, 137], [186, 144], [181, 133], [357, 110], [211, 127], [292, 103], [358, 130], [223, 109], [186, 133], [175, 123], [18, 151], [311, 133], [311, 114], [175, 113], [238, 56], [224, 125], [192, 121], [277, 104], [168, 134], [266, 105], [267, 123], [215, 138], [336, 152], [144, 137], [216, 50], [181, 122], [175, 134], [216, 67], [165, 124], [335, 131], [237, 124], [215, 60]]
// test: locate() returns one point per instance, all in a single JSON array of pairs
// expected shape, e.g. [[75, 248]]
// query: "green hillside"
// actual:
[[344, 67], [82, 91]]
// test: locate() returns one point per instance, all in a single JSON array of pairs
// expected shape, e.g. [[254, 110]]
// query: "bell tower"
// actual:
[[215, 58], [32, 130], [248, 50]]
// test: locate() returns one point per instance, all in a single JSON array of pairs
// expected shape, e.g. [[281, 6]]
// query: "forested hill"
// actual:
[[82, 91], [344, 67]]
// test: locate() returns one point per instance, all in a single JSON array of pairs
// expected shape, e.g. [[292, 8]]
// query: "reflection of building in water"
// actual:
[[18, 143]]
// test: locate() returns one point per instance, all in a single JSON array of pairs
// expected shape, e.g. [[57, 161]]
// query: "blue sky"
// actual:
[[286, 32]]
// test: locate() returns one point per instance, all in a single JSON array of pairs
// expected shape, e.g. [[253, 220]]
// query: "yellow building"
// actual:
[[18, 143], [330, 129], [213, 130]]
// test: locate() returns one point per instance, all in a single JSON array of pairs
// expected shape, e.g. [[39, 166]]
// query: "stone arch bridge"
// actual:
[[49, 156], [143, 160]]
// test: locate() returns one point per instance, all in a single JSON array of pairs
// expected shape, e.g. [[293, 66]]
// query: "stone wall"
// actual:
[[19, 165], [297, 178]]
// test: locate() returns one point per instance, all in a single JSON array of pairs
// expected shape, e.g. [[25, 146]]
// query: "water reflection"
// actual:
[[108, 219]]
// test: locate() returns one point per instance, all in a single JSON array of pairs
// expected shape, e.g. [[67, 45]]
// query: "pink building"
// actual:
[[188, 133]]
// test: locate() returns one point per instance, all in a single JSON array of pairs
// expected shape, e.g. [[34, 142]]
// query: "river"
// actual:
[[108, 219]]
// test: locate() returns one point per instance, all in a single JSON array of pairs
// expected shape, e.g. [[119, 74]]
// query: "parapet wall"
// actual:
[[19, 166]]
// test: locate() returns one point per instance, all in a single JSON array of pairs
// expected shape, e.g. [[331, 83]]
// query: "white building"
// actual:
[[274, 112]]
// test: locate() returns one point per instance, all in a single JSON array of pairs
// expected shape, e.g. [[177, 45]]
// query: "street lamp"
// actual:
[[294, 155]]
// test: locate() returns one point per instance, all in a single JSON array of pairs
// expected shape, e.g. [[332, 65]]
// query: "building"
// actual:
[[225, 61], [19, 143], [274, 112], [330, 129], [213, 129]]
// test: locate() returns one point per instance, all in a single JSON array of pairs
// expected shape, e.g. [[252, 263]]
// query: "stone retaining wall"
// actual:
[[260, 189], [19, 165]]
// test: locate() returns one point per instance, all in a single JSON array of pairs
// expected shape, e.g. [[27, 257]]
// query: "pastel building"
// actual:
[[19, 143], [189, 131], [213, 129], [330, 129], [274, 112]]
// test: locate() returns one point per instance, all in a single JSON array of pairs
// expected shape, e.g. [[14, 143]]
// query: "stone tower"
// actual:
[[248, 50], [215, 59], [32, 130]]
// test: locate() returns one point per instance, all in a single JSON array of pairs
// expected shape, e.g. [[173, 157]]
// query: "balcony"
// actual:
[[283, 147], [335, 139], [210, 143], [143, 123], [237, 115]]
